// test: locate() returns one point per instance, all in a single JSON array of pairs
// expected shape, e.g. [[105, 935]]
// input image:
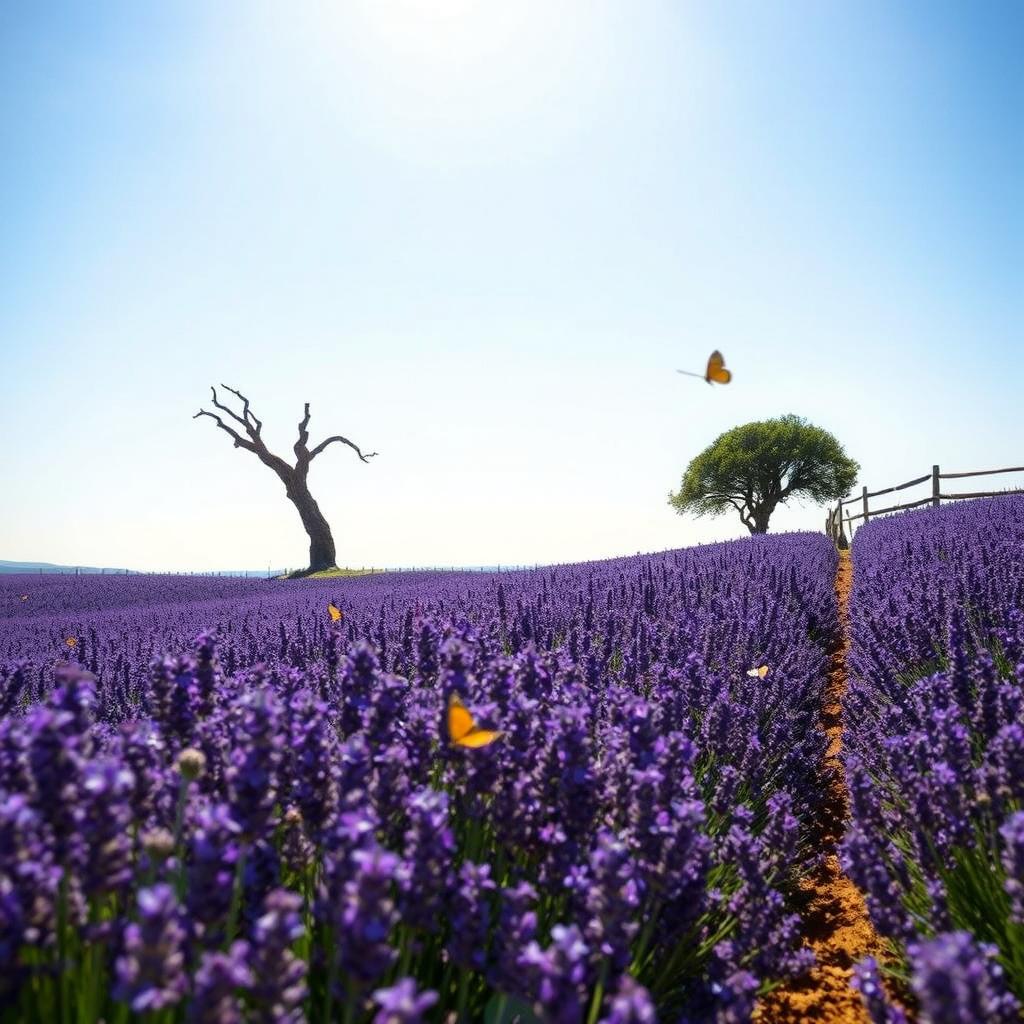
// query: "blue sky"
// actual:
[[479, 238]]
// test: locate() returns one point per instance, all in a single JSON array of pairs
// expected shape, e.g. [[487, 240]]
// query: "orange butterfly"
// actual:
[[463, 731], [758, 673], [716, 371], [71, 641], [335, 612]]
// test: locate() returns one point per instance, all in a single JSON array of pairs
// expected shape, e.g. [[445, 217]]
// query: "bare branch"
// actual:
[[731, 496], [301, 449], [218, 404], [246, 411], [240, 442], [341, 440]]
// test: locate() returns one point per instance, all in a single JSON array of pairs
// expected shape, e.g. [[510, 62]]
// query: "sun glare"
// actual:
[[440, 31]]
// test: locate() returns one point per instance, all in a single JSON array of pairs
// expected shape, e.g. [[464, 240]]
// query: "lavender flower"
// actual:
[[609, 900], [402, 1003], [214, 853], [631, 1003], [218, 980], [868, 982], [1012, 834], [56, 765], [429, 846], [12, 937], [735, 998], [106, 816], [366, 915], [150, 971], [517, 928], [313, 752], [31, 877], [261, 875], [957, 980], [358, 674], [470, 916], [559, 974], [253, 776], [279, 986]]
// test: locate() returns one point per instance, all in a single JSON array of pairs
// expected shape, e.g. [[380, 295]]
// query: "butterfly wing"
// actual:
[[479, 738], [463, 730], [460, 721], [334, 611], [716, 370], [71, 642]]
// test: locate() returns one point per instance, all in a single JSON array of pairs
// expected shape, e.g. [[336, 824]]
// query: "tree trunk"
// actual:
[[322, 554], [758, 522]]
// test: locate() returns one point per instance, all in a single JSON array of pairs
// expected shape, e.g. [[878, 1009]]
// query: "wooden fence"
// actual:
[[840, 519]]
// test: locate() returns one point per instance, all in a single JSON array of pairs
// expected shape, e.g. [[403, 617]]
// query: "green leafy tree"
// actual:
[[755, 467]]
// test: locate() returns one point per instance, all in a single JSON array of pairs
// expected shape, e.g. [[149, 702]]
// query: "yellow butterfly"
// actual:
[[463, 731], [71, 641], [334, 611], [715, 372], [758, 673]]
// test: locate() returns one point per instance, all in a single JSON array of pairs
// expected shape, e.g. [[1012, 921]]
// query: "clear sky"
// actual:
[[479, 237]]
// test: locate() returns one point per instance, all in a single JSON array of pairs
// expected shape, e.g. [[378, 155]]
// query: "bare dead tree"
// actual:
[[322, 553]]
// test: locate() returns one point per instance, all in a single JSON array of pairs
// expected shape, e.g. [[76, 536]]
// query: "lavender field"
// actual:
[[219, 804], [935, 754]]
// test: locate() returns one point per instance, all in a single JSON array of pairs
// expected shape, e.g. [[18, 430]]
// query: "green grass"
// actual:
[[325, 574]]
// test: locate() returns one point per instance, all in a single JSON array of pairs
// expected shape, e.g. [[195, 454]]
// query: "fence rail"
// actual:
[[838, 520], [890, 490], [981, 472]]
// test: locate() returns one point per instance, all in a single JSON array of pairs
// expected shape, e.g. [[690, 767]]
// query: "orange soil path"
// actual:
[[835, 921]]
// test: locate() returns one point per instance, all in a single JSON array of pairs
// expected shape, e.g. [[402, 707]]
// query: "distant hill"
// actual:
[[52, 567], [48, 567]]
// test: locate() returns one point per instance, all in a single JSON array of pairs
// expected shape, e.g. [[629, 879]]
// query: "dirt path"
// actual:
[[836, 924]]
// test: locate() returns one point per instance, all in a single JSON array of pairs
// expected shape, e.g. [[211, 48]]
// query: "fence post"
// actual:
[[935, 486], [864, 500]]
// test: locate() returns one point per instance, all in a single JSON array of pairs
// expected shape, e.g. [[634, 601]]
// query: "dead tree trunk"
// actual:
[[322, 554]]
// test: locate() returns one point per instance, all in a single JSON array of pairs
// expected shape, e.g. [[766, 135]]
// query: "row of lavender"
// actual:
[[935, 755], [270, 824]]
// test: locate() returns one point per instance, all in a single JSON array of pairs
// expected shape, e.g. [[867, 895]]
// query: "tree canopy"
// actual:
[[757, 466]]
